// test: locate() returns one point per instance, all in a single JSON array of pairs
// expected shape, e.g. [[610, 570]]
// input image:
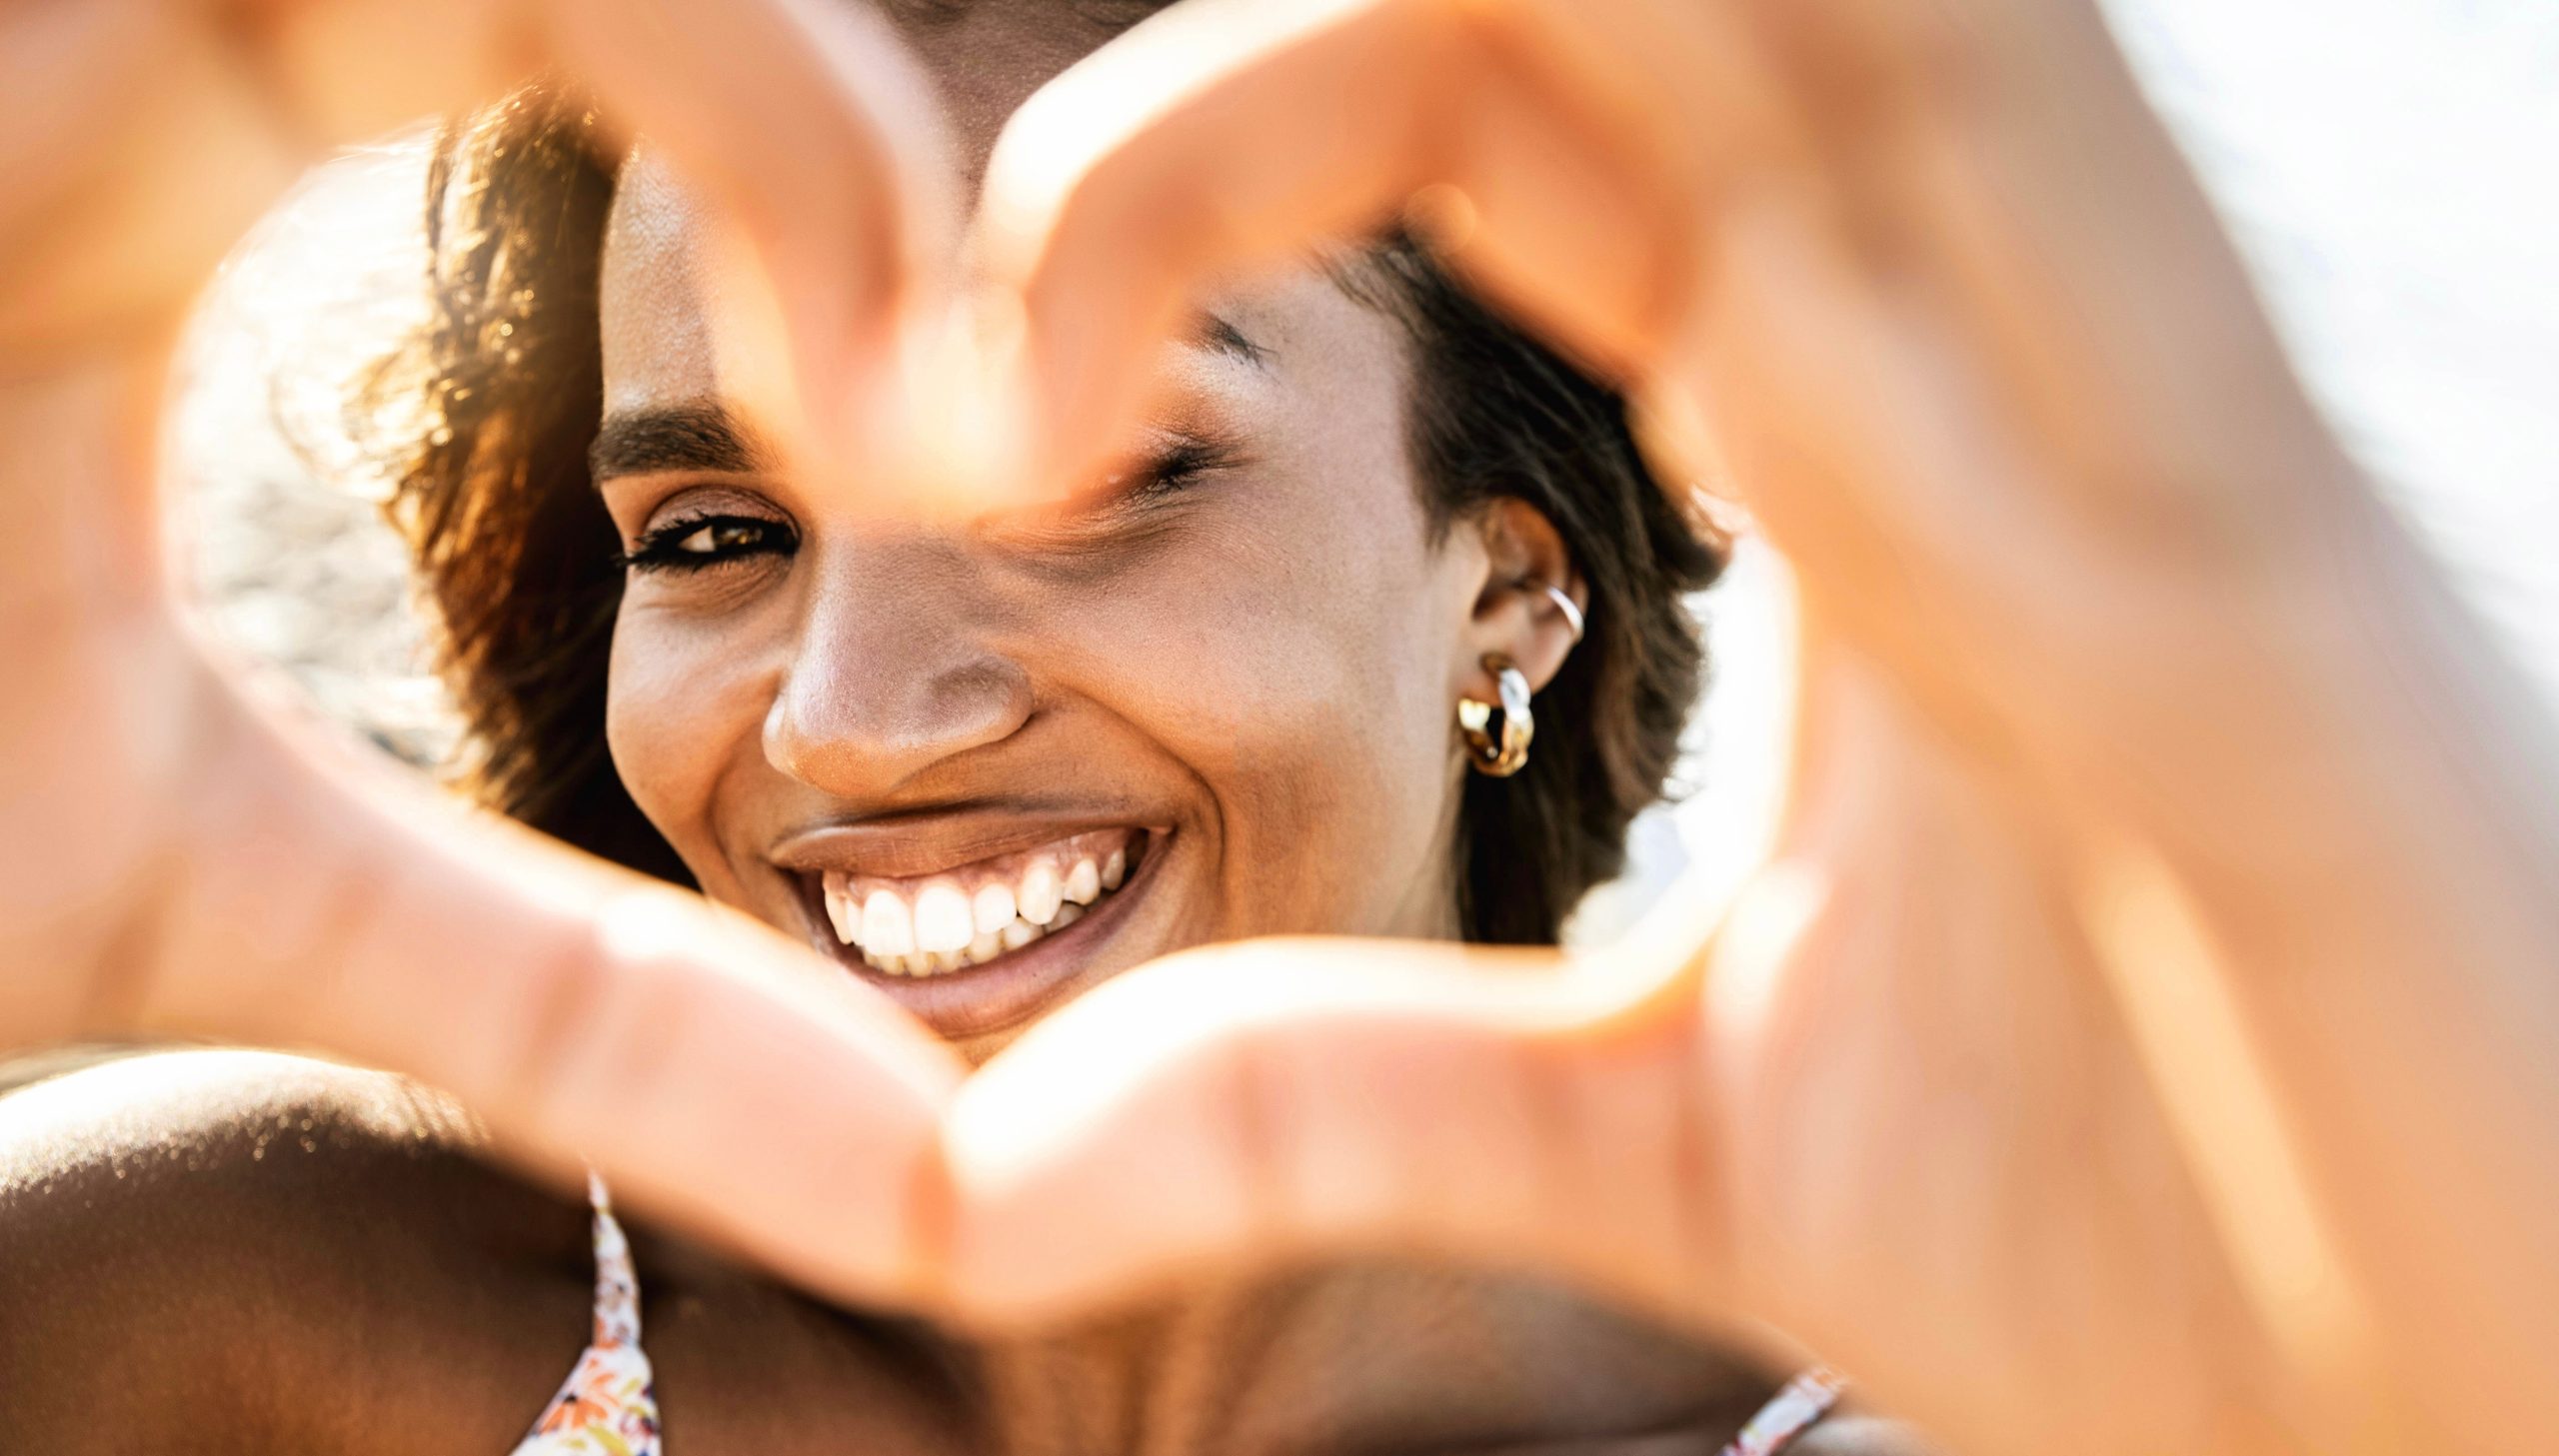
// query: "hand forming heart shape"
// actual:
[[2087, 587]]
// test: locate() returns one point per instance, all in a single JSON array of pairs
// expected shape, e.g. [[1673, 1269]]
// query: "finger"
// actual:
[[109, 223], [807, 121], [1284, 1100], [1223, 138], [144, 136], [713, 1072], [814, 132]]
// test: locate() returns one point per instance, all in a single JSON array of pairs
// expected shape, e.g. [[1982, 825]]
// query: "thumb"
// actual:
[[1279, 1100], [708, 1068]]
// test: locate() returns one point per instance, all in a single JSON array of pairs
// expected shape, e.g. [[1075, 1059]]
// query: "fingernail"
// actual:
[[1442, 217]]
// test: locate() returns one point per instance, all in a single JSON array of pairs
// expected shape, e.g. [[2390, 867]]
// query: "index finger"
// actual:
[[818, 136], [1251, 1104], [1224, 137]]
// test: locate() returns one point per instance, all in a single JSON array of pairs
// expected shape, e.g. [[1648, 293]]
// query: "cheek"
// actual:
[[680, 706], [1293, 662]]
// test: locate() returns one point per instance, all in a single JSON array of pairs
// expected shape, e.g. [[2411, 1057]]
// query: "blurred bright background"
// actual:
[[2389, 167]]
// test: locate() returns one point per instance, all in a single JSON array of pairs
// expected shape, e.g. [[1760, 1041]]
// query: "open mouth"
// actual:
[[978, 947], [979, 913], [975, 947]]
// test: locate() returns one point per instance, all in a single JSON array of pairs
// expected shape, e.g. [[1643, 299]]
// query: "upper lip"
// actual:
[[915, 843]]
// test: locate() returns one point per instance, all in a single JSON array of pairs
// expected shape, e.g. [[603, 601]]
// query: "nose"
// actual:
[[894, 672]]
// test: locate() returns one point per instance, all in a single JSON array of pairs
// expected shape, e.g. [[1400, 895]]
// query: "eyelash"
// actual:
[[663, 550], [1169, 472], [1173, 469]]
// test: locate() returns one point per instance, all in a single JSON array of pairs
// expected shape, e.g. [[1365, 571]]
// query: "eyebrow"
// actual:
[[1208, 331], [709, 438], [674, 438]]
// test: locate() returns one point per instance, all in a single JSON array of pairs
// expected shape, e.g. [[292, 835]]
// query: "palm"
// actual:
[[1939, 1131]]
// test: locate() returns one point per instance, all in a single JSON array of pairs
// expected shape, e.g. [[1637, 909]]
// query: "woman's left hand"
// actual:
[[177, 860], [2116, 678]]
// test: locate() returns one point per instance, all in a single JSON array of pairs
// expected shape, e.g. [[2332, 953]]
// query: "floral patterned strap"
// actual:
[[609, 1404], [1788, 1414]]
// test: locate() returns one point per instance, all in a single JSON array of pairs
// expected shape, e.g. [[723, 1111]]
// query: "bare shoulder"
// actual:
[[204, 1109], [211, 1250]]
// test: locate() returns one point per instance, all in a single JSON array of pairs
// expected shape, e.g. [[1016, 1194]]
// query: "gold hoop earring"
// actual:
[[1499, 750]]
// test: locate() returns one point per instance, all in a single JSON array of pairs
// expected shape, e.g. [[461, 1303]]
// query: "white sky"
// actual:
[[2391, 167]]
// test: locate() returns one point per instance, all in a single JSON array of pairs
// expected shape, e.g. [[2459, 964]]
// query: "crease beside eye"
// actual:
[[1173, 465]]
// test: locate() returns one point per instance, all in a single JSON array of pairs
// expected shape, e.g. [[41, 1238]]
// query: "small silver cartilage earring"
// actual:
[[1565, 605]]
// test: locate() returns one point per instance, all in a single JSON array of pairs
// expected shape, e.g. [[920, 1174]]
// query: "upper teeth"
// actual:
[[978, 912]]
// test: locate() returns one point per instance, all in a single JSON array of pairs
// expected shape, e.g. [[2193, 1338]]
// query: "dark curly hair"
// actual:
[[504, 395]]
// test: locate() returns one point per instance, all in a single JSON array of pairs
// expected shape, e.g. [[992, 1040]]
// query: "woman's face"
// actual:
[[989, 764]]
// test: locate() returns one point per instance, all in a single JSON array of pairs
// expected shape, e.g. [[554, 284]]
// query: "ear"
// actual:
[[1514, 615]]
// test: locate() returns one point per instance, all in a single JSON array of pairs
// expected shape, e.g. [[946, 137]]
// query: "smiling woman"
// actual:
[[1228, 675]]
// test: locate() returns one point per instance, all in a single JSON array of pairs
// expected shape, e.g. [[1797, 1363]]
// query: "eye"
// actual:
[[1174, 467], [708, 540]]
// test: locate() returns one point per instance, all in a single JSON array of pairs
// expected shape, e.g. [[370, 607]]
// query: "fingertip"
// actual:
[[1444, 219], [1088, 331], [935, 424]]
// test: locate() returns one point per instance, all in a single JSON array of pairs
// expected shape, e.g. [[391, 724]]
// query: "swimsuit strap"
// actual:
[[617, 1281], [1789, 1413], [609, 1404]]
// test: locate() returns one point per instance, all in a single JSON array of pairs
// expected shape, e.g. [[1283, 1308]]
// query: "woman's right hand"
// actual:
[[176, 860], [2112, 660]]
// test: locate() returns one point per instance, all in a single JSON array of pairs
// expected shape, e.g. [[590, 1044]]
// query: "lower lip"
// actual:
[[1016, 985]]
